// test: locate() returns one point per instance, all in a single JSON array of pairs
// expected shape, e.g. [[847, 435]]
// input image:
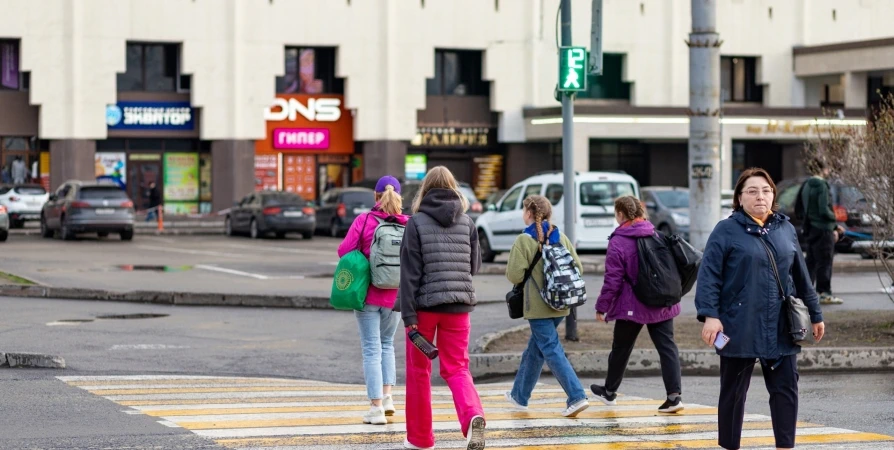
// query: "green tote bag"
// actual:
[[351, 279]]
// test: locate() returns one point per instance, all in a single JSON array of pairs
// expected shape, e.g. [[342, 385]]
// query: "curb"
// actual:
[[500, 269], [482, 342], [692, 362], [31, 360], [175, 298]]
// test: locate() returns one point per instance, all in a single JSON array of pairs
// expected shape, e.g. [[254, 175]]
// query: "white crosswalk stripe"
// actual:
[[268, 413]]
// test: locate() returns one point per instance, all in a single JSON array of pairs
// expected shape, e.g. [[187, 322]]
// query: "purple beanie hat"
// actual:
[[387, 180]]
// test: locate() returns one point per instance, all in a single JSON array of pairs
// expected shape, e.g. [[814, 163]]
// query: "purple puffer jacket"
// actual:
[[617, 299]]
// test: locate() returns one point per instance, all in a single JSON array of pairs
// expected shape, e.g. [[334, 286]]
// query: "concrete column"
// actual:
[[855, 89], [232, 172], [581, 151], [382, 158], [726, 166], [72, 159]]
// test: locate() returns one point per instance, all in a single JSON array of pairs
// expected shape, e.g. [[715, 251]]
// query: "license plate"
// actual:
[[590, 223], [360, 210], [105, 211], [293, 214], [30, 216]]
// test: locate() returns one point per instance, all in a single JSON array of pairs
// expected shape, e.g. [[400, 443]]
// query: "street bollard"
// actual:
[[161, 218]]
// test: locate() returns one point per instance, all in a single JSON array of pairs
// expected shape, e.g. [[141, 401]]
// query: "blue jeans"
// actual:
[[545, 346], [377, 328]]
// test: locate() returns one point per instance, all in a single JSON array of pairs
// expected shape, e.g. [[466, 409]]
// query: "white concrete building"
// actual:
[[466, 83]]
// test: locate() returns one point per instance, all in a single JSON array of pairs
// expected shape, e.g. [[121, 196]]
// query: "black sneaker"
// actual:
[[671, 406], [602, 395]]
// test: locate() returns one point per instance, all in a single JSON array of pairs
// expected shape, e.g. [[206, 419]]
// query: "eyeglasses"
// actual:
[[753, 192]]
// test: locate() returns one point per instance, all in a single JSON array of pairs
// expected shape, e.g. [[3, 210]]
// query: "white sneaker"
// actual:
[[575, 409], [388, 404], [407, 444], [375, 416], [514, 403], [475, 435]]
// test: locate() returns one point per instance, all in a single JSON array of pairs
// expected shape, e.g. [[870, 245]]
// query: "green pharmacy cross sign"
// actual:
[[572, 69]]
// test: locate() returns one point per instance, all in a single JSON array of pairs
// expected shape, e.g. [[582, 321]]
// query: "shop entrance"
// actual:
[[333, 171], [142, 171]]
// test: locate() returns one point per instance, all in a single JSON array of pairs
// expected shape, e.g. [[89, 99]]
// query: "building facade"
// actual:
[[213, 99]]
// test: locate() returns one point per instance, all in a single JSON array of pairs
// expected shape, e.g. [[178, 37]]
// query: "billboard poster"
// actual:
[[9, 65], [266, 172], [111, 167], [177, 116], [416, 166], [205, 177], [181, 177]]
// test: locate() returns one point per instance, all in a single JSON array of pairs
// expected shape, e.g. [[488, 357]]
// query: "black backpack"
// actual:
[[668, 268]]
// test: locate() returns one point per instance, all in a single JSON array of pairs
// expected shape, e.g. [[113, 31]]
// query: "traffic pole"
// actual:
[[704, 122], [568, 163]]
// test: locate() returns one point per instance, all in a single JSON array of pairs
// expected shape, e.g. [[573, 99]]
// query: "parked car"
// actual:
[[87, 207], [4, 224], [261, 213], [851, 209], [340, 206], [668, 208], [492, 199], [23, 202], [595, 194], [410, 188]]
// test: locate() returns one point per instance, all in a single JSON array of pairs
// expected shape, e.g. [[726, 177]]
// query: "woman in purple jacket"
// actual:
[[618, 302]]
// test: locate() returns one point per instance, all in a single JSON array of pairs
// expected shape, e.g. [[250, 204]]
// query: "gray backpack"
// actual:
[[384, 255]]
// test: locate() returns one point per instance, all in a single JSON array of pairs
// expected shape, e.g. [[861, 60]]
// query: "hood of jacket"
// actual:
[[443, 205], [637, 230], [398, 218]]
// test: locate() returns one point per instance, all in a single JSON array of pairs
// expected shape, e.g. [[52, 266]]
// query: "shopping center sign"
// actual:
[[178, 116], [312, 109], [305, 122]]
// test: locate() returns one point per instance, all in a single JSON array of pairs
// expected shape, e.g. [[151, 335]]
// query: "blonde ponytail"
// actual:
[[390, 201]]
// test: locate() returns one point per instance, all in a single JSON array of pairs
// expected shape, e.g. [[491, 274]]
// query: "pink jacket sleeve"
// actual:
[[353, 237]]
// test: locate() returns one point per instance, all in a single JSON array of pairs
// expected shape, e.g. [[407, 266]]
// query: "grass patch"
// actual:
[[8, 278]]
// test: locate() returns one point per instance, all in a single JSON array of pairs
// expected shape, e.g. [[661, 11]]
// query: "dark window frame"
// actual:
[[182, 83], [753, 92], [610, 85], [469, 72], [23, 77], [325, 60]]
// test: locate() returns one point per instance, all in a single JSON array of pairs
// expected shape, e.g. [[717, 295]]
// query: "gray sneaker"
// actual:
[[829, 299]]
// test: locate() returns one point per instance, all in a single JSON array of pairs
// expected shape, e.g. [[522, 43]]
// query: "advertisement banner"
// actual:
[[266, 172], [9, 65], [299, 175], [177, 116], [181, 178], [181, 208], [111, 167], [416, 166], [301, 138], [317, 122], [205, 177], [45, 170]]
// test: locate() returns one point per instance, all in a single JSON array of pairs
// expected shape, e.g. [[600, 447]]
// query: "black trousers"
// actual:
[[782, 384], [820, 251], [662, 334]]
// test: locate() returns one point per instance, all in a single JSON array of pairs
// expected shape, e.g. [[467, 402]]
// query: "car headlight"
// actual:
[[681, 219]]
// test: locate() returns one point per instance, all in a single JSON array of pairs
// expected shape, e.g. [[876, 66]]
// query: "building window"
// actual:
[[631, 157], [10, 77], [832, 96], [310, 70], [153, 68], [610, 85], [738, 80], [457, 72]]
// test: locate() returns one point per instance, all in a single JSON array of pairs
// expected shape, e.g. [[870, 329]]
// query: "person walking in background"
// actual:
[[821, 230], [544, 344], [738, 295], [438, 258], [19, 171], [619, 303], [377, 322], [5, 175], [154, 197]]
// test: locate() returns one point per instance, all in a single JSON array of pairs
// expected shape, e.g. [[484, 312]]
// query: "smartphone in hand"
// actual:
[[721, 341]]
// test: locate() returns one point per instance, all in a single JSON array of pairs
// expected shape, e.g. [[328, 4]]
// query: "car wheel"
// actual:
[[666, 229], [253, 229], [228, 227], [487, 254], [67, 234], [307, 235], [103, 234], [127, 235], [4, 235], [333, 229], [45, 231]]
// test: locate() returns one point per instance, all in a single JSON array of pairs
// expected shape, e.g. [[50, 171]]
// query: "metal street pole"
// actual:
[[704, 122], [568, 163]]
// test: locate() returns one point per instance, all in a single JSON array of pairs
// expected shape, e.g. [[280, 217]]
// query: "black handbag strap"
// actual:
[[773, 264]]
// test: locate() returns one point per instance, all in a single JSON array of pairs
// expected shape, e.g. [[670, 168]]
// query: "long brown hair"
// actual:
[[630, 207], [740, 186], [439, 177], [541, 210]]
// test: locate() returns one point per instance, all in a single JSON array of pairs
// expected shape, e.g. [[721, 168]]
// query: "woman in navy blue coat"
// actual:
[[738, 294]]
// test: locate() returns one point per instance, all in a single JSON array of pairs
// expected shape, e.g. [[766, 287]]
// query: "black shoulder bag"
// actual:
[[796, 313], [515, 299]]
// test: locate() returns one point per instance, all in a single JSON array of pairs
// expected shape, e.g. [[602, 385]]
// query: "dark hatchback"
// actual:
[[340, 206], [851, 210], [278, 212], [87, 207]]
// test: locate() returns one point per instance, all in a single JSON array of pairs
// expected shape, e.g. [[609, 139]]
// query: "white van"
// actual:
[[595, 194]]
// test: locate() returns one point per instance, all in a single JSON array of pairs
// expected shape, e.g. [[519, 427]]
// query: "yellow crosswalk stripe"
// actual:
[[258, 413]]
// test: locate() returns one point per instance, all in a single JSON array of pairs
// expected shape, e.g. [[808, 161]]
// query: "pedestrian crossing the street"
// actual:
[[267, 413]]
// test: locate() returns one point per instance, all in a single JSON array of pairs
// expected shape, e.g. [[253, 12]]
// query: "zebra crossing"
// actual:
[[269, 413]]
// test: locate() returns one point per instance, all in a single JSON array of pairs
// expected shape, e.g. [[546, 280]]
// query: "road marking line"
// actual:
[[267, 408], [454, 426], [214, 423], [310, 390], [243, 395], [232, 272], [100, 387], [168, 424]]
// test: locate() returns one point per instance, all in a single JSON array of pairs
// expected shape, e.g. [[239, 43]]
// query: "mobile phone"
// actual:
[[721, 340]]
